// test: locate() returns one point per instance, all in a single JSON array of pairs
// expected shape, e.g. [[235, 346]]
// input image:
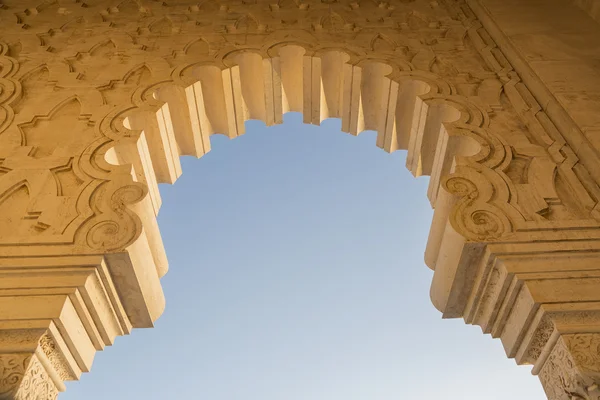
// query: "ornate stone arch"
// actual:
[[515, 209]]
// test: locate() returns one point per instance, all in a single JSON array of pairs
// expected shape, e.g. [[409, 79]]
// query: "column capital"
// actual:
[[34, 361], [24, 376], [55, 314], [572, 369], [32, 365]]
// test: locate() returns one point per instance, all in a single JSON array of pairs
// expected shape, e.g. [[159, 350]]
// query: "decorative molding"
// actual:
[[57, 360], [88, 129], [22, 377], [572, 370], [13, 368], [36, 384]]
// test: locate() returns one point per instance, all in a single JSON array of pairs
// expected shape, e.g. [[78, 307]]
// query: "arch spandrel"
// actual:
[[143, 84]]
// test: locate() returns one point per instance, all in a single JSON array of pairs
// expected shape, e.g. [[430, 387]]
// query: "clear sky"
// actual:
[[297, 273]]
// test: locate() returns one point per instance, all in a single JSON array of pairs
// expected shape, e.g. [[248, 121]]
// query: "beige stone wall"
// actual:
[[560, 44], [98, 101], [592, 7]]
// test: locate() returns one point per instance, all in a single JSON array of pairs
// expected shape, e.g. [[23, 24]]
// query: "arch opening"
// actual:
[[405, 112]]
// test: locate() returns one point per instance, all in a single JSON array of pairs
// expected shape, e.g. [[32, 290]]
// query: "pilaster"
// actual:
[[55, 313], [89, 128], [27, 376], [545, 308], [572, 369]]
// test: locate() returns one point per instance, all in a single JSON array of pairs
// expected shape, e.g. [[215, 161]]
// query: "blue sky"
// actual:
[[297, 273]]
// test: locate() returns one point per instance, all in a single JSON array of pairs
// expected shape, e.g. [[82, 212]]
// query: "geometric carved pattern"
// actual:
[[90, 127]]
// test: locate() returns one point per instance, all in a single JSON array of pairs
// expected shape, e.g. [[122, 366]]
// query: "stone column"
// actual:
[[572, 368], [545, 308], [25, 376], [55, 313], [568, 363]]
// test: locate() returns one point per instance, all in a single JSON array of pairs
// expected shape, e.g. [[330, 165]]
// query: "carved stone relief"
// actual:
[[22, 377], [99, 99], [573, 369], [13, 370]]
